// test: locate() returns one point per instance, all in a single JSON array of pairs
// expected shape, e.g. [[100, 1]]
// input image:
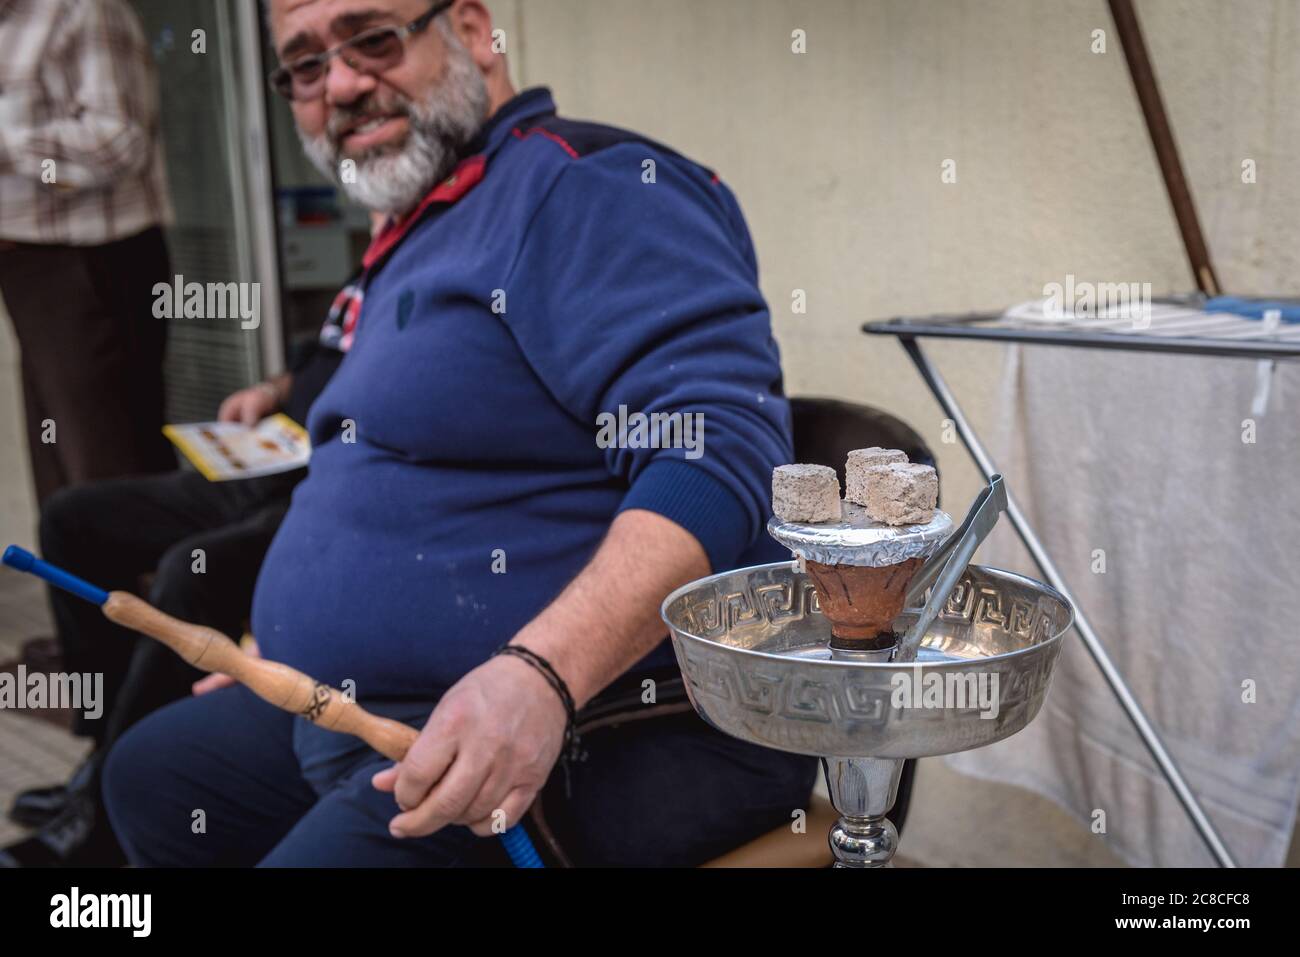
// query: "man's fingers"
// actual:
[[491, 796], [510, 812], [425, 764], [443, 804], [212, 682], [385, 780]]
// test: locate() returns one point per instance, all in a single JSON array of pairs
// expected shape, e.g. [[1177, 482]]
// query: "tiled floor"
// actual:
[[32, 754]]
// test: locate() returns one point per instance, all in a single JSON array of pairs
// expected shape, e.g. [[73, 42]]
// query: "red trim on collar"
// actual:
[[467, 175], [521, 135]]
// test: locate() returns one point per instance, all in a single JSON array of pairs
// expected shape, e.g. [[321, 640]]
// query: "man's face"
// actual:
[[386, 138]]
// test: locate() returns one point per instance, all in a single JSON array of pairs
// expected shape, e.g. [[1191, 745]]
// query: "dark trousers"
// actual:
[[112, 532], [277, 791], [92, 355]]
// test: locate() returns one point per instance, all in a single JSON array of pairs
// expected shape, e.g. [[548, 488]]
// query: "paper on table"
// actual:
[[228, 450]]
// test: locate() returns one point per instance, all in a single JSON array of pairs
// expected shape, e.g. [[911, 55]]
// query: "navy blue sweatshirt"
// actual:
[[459, 479]]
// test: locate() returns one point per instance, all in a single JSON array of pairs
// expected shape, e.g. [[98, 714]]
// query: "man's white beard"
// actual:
[[393, 181]]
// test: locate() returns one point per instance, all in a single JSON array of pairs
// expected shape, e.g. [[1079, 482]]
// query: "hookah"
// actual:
[[806, 655]]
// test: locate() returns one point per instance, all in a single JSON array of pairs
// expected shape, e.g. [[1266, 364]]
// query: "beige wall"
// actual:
[[835, 155]]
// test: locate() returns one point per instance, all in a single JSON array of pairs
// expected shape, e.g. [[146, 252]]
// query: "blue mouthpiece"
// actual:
[[25, 561]]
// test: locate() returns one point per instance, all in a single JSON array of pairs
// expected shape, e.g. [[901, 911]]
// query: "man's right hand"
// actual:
[[249, 406]]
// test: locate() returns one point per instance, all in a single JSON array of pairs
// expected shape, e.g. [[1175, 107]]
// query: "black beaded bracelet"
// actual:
[[572, 744]]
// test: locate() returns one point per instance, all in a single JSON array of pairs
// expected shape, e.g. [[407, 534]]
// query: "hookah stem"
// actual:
[[287, 688]]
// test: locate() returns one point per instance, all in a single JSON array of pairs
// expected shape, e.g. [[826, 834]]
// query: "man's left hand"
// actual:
[[489, 746]]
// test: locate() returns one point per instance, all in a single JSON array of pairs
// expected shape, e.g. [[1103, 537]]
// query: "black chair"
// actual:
[[825, 431]]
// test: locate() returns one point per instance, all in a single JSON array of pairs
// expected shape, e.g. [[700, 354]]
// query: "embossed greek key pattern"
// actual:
[[842, 694], [763, 604], [974, 604], [779, 602], [742, 641]]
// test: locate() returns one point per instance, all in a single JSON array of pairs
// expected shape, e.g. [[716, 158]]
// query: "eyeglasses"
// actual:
[[371, 51]]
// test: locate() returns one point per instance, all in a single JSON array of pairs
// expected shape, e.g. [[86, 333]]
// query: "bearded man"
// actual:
[[464, 554]]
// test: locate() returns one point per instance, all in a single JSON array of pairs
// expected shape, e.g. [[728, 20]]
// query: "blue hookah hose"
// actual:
[[520, 848], [517, 843]]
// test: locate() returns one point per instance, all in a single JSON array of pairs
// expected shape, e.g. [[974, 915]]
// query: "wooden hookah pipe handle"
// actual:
[[209, 650]]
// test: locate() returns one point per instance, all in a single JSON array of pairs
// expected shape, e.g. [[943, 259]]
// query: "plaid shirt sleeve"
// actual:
[[101, 58]]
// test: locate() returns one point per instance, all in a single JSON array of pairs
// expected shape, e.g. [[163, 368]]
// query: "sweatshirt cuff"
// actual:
[[699, 503]]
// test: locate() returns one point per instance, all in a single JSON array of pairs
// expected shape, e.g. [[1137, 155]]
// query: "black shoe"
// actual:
[[40, 806], [79, 837]]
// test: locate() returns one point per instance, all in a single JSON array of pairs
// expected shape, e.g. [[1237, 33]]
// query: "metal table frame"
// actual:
[[909, 331], [960, 328]]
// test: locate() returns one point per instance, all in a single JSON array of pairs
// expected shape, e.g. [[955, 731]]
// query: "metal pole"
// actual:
[[249, 133], [1150, 737], [1164, 144]]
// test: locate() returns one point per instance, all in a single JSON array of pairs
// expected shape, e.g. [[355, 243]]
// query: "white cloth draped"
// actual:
[[1139, 460]]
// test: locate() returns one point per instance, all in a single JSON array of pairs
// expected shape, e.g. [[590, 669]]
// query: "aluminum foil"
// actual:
[[857, 540]]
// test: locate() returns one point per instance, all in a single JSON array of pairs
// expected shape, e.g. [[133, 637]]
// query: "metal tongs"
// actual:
[[945, 567]]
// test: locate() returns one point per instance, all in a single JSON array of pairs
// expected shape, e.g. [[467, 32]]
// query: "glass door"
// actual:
[[209, 56]]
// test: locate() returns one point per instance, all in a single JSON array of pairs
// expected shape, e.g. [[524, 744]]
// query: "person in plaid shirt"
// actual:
[[83, 199]]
